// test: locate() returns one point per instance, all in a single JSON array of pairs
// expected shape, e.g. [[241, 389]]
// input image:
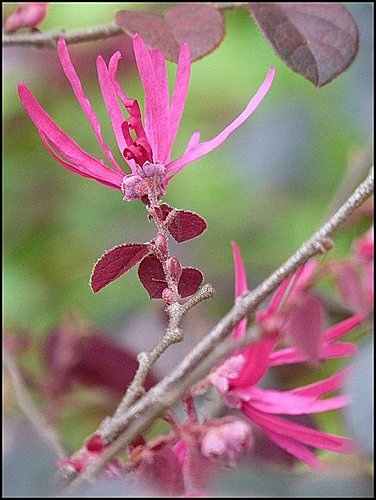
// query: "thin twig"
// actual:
[[29, 409], [49, 39], [207, 353], [173, 334]]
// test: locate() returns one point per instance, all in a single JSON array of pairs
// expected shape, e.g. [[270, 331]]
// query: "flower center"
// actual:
[[146, 185]]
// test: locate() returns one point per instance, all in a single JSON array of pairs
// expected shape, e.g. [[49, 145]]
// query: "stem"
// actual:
[[209, 351]]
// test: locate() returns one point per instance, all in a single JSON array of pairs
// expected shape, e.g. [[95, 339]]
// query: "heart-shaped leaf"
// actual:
[[152, 276], [115, 262], [190, 280], [184, 225], [201, 26], [317, 40]]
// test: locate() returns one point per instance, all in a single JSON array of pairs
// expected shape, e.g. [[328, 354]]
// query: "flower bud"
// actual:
[[174, 268], [168, 296], [161, 244]]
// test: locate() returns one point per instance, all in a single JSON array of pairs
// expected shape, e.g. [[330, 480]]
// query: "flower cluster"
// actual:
[[238, 378]]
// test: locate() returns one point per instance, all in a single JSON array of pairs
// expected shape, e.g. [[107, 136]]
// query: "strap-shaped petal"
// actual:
[[241, 286], [65, 146], [156, 121], [84, 102], [75, 169], [300, 433], [179, 96], [206, 147]]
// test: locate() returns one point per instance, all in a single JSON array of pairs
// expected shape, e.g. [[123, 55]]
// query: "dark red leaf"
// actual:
[[189, 282], [185, 225], [202, 26], [115, 262], [152, 276], [317, 40]]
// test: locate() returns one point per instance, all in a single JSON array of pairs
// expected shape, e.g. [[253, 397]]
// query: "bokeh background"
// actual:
[[268, 187]]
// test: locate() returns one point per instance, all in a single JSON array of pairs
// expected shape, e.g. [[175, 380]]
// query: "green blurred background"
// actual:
[[267, 188]]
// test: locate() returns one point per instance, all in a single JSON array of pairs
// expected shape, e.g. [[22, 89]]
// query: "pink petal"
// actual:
[[156, 121], [110, 98], [206, 147], [298, 432], [160, 72], [83, 100], [278, 295], [72, 168], [289, 355], [63, 143], [324, 386], [179, 96], [241, 286], [305, 325], [256, 362], [193, 141], [289, 403], [342, 328], [302, 278], [296, 449]]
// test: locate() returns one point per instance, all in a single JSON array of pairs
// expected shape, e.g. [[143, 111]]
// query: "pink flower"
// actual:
[[355, 275], [27, 15], [146, 146], [238, 377]]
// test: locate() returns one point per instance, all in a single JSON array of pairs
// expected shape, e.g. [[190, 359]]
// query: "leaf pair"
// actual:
[[182, 225]]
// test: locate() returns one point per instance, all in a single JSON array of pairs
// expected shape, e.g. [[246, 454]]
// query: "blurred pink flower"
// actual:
[[355, 275], [238, 377], [146, 147], [26, 15]]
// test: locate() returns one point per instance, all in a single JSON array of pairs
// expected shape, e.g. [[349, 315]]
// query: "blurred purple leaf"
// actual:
[[89, 358], [317, 40], [201, 26]]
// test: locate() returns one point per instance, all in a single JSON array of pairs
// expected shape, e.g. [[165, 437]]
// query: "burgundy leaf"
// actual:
[[185, 225], [115, 262], [152, 276], [189, 282], [87, 357], [202, 26], [317, 40]]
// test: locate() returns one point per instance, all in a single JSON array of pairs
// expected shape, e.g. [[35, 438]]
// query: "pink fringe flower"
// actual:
[[238, 377], [146, 146]]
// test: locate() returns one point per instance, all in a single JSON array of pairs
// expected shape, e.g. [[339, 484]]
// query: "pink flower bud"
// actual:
[[161, 243], [174, 268], [227, 440]]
